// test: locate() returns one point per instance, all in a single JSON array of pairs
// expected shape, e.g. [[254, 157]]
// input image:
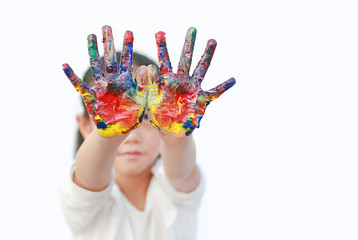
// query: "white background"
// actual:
[[279, 149]]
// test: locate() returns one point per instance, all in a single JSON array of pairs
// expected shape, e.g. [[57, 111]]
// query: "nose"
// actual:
[[134, 137]]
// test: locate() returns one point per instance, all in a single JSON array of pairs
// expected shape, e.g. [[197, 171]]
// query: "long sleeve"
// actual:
[[189, 201], [81, 206]]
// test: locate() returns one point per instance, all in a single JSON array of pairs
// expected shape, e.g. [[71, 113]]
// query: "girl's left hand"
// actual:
[[176, 100]]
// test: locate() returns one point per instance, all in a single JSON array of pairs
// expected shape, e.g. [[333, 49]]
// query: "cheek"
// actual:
[[152, 144]]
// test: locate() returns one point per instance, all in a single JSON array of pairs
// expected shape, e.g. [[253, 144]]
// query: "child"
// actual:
[[117, 188]]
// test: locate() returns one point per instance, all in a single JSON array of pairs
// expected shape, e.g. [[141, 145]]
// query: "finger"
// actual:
[[164, 62], [205, 60], [95, 60], [214, 93], [153, 75], [187, 52], [153, 86], [141, 78], [80, 86], [126, 64], [110, 59]]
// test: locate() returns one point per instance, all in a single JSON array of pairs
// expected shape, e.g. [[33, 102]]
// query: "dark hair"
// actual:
[[138, 59]]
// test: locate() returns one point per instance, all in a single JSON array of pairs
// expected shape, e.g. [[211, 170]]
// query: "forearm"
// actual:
[[179, 160], [94, 161]]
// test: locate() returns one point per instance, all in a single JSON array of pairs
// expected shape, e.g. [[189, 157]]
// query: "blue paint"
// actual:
[[199, 119], [162, 50], [128, 81], [101, 125], [130, 60], [188, 126], [130, 56]]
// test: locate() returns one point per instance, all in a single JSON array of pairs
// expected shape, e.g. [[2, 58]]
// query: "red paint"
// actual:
[[175, 106], [160, 36], [128, 38], [117, 108]]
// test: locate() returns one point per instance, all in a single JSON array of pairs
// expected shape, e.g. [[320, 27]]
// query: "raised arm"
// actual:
[[177, 104], [115, 104]]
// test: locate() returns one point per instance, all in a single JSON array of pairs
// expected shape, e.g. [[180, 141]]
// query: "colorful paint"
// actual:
[[115, 102], [176, 100]]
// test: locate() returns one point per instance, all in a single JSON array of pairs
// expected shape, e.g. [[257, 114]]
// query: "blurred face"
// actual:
[[138, 152]]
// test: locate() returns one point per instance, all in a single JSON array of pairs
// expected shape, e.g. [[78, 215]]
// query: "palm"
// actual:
[[176, 100], [119, 105], [115, 103]]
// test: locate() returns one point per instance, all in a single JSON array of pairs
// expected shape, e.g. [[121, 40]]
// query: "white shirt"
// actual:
[[168, 214]]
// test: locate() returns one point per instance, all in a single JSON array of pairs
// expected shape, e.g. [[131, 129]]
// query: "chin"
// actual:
[[134, 171], [131, 167]]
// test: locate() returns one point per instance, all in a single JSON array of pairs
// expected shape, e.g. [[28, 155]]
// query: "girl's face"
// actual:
[[138, 152]]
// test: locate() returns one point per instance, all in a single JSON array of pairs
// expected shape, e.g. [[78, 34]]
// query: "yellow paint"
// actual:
[[179, 105], [153, 98], [175, 127], [117, 129]]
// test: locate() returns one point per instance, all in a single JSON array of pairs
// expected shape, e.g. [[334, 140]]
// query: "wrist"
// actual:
[[115, 140], [175, 139]]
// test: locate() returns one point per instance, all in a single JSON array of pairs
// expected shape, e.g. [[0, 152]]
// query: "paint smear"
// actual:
[[176, 100], [115, 103]]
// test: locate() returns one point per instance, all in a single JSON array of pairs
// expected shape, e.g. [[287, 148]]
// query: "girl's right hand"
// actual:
[[115, 102]]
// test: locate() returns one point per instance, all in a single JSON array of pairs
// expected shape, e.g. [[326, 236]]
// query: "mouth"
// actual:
[[131, 155]]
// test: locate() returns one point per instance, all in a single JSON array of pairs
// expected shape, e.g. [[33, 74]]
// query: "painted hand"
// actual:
[[176, 100], [115, 102]]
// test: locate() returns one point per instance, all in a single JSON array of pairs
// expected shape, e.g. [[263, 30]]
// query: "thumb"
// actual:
[[153, 85], [216, 92], [141, 78], [80, 86]]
